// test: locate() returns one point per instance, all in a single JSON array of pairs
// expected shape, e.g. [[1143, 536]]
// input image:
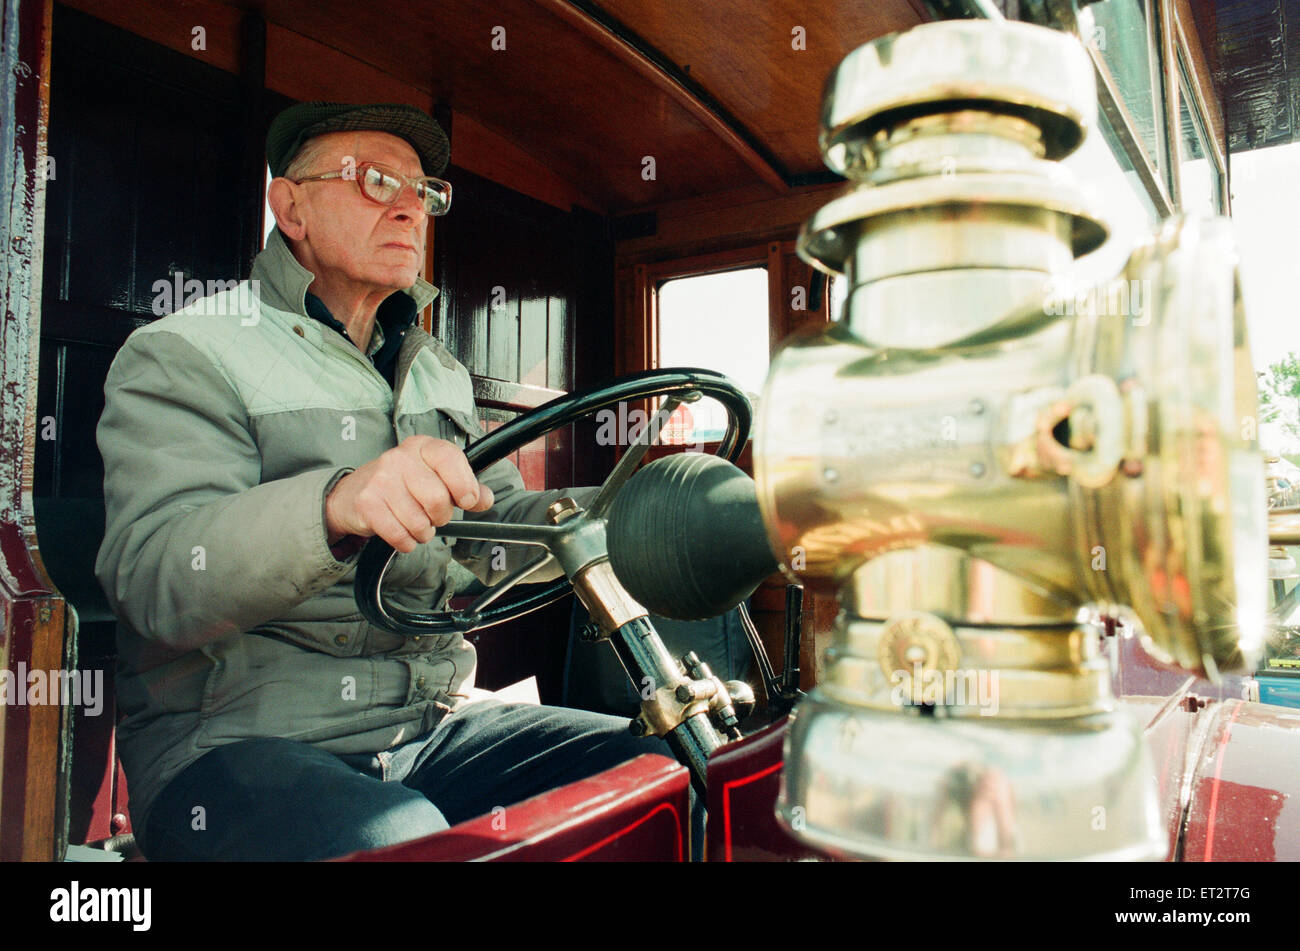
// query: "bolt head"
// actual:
[[561, 510]]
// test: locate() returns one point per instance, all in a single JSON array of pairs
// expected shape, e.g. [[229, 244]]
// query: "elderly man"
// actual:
[[252, 441]]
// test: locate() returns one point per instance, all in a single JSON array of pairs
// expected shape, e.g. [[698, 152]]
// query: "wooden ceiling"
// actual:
[[1253, 53], [714, 91]]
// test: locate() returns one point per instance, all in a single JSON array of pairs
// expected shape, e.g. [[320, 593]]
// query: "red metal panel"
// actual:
[[1245, 802], [120, 824], [94, 771], [636, 812], [744, 780], [98, 804]]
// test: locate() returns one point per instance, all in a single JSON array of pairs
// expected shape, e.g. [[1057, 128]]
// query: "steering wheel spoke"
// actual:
[[489, 596], [541, 535], [632, 458]]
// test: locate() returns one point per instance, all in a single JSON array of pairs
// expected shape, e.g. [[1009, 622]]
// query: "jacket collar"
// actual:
[[283, 281]]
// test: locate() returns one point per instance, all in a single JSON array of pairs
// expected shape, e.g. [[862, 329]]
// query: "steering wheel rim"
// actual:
[[378, 555]]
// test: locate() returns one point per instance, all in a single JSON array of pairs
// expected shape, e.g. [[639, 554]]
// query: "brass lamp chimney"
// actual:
[[981, 469]]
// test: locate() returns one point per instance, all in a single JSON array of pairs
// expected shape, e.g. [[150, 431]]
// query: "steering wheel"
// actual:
[[579, 540]]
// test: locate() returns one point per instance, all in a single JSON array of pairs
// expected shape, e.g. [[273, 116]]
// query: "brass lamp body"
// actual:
[[980, 469]]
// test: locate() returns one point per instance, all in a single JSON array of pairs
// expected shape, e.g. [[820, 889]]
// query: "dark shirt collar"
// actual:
[[393, 318]]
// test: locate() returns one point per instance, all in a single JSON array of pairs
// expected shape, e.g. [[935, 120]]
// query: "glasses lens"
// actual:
[[380, 186], [436, 195]]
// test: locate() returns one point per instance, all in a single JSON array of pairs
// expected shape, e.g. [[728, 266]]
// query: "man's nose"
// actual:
[[408, 205]]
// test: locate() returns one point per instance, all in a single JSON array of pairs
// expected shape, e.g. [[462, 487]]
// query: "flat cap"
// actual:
[[295, 125]]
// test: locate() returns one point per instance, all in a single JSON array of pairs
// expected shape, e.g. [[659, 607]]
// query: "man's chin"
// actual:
[[399, 279]]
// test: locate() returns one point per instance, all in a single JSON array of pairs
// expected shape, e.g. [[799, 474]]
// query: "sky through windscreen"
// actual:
[[1266, 211]]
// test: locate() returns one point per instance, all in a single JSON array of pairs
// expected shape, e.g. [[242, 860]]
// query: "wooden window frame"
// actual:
[[651, 277], [771, 255], [1184, 68]]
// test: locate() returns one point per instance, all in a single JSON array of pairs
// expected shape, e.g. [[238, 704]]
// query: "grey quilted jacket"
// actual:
[[225, 426]]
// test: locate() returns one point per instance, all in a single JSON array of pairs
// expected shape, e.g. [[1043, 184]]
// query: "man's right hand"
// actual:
[[405, 494]]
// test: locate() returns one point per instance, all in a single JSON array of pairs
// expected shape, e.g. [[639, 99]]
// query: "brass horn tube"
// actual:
[[1284, 526]]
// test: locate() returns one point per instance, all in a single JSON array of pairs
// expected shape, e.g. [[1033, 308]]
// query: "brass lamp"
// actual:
[[981, 468]]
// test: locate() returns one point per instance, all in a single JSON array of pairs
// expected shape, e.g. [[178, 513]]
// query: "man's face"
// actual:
[[352, 238]]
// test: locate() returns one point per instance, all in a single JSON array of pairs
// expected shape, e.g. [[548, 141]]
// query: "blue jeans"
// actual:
[[279, 800]]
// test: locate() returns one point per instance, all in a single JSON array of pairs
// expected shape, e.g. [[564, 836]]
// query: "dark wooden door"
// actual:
[[526, 305]]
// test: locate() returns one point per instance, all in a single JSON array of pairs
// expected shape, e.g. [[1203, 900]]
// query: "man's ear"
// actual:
[[282, 196]]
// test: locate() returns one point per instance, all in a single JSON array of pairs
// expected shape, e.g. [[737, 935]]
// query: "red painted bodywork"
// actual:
[[1227, 769], [638, 811], [98, 806], [744, 779], [1243, 805], [1226, 777]]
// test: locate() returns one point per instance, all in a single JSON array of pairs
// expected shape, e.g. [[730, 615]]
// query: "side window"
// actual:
[[719, 322], [1200, 178], [1123, 36]]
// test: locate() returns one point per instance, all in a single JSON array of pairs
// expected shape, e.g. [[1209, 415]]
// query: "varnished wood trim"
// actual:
[[172, 25], [503, 394], [487, 153], [711, 263], [645, 325], [335, 76], [1202, 76], [739, 218], [1208, 107], [777, 295], [44, 728], [641, 324], [1169, 70], [691, 101], [32, 614]]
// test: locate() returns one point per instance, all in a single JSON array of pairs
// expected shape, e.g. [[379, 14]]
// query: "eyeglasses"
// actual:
[[383, 185]]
